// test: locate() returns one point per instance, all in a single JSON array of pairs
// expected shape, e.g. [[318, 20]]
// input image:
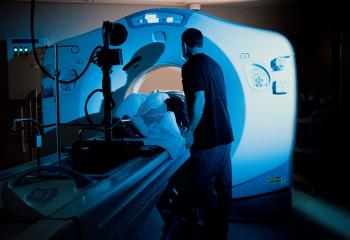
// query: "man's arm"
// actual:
[[198, 108]]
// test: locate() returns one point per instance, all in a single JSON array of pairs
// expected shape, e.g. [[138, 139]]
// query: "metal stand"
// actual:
[[106, 84], [58, 122], [106, 59]]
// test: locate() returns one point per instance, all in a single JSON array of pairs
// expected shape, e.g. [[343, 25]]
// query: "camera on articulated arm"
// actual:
[[111, 57], [114, 34]]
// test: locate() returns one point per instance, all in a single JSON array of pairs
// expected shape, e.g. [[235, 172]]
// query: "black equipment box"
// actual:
[[99, 156]]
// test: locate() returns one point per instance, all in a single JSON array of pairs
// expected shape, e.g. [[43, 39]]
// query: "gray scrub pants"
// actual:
[[211, 187]]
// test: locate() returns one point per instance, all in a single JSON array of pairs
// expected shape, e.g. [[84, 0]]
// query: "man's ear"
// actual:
[[187, 49], [184, 46]]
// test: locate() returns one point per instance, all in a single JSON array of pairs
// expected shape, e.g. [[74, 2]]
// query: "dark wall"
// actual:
[[3, 74], [315, 47], [322, 46], [10, 146], [3, 97]]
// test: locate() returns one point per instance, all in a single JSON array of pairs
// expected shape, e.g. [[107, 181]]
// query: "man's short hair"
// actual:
[[192, 37]]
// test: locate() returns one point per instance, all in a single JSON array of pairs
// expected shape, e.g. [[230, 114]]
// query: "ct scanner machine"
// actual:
[[260, 76]]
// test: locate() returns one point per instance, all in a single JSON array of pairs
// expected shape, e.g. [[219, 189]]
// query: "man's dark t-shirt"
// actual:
[[202, 73]]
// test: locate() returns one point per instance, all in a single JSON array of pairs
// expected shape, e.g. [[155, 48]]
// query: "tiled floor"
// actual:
[[314, 217], [311, 217]]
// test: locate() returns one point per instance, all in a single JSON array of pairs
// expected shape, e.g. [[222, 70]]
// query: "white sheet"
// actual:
[[149, 114]]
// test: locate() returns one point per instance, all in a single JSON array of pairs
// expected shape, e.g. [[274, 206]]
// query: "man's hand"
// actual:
[[189, 136], [198, 108]]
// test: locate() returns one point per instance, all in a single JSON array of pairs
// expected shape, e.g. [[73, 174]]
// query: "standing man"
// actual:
[[209, 135]]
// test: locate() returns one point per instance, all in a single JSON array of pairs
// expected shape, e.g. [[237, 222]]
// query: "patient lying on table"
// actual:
[[149, 114]]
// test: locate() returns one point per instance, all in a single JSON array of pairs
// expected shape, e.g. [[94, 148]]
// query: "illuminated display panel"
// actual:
[[158, 18]]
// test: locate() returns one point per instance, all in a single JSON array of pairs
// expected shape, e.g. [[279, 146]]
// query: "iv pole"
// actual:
[[58, 121]]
